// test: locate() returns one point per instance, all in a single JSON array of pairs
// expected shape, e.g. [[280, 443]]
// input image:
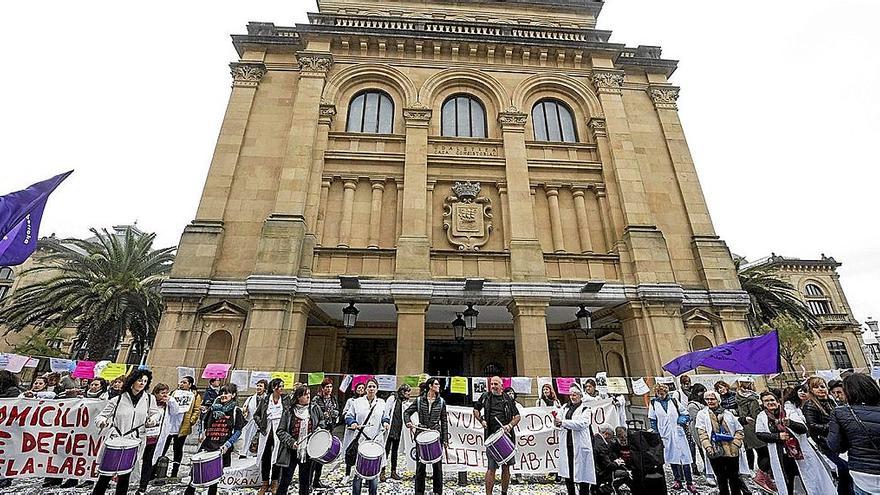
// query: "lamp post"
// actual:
[[458, 328], [349, 316], [585, 320], [470, 318]]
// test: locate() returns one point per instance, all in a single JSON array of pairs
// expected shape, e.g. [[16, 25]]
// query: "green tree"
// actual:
[[37, 344], [106, 287], [771, 297], [795, 341]]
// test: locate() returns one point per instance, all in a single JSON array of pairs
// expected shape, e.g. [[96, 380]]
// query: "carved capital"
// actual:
[[512, 119], [417, 113], [247, 74], [314, 64], [664, 97], [598, 127], [327, 112], [607, 81]]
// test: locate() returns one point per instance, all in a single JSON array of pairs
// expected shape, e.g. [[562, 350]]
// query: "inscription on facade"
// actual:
[[465, 150]]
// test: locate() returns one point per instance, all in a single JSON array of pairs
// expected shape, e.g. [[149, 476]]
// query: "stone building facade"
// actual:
[[840, 343], [417, 156]]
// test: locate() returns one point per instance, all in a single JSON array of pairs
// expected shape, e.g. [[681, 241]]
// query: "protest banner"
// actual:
[[59, 439], [537, 439]]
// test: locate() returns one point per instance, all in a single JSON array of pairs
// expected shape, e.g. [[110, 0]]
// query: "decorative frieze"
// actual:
[[314, 64], [247, 74], [664, 97], [608, 81]]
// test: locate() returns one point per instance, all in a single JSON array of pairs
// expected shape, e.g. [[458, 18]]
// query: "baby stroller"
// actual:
[[621, 484], [647, 462]]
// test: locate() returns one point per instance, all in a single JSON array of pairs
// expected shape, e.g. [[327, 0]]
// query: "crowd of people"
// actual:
[[821, 437]]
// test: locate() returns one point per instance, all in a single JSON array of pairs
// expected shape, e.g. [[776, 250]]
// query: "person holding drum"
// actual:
[[128, 414], [359, 391], [431, 434], [250, 428], [326, 402], [576, 464], [223, 423], [497, 413], [299, 421], [367, 417], [190, 404], [167, 420], [268, 417]]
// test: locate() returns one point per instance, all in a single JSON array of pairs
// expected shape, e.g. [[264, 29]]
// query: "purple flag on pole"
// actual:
[[757, 355], [20, 215]]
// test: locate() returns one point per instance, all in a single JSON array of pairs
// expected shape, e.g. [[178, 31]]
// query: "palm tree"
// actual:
[[106, 287], [771, 297]]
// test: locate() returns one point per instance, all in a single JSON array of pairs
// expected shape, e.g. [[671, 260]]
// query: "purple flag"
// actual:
[[757, 355], [19, 240]]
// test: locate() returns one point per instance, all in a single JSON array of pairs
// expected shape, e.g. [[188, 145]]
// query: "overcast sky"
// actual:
[[780, 103]]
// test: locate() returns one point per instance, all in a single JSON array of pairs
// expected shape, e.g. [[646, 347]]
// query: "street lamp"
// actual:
[[585, 320], [349, 316], [458, 328], [470, 318]]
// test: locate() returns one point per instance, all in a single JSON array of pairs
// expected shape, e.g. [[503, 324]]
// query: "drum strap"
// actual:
[[366, 422]]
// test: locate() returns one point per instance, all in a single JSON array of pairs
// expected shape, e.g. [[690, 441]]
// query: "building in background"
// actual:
[[818, 285], [871, 341], [412, 158]]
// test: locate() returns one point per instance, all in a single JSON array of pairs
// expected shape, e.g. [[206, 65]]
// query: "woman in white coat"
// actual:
[[128, 415], [367, 417], [776, 426], [576, 464], [250, 429], [359, 391], [669, 418], [268, 417]]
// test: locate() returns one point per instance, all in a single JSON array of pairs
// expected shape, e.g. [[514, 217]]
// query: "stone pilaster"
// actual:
[[322, 210], [505, 214], [267, 334], [316, 198], [654, 333], [580, 211], [173, 338], [349, 187], [378, 188], [413, 252], [526, 256], [530, 337], [410, 336], [552, 193]]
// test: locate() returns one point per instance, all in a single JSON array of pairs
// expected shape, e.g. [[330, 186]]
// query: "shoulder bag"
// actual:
[[352, 450]]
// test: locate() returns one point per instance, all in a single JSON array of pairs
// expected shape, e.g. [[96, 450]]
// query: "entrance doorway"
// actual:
[[447, 358]]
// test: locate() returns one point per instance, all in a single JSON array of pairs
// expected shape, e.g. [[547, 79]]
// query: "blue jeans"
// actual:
[[372, 485], [681, 473]]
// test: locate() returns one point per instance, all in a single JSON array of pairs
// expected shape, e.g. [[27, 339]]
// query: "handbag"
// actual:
[[352, 451]]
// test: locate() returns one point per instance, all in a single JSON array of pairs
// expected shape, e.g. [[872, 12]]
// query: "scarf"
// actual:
[[791, 446], [93, 395], [218, 409]]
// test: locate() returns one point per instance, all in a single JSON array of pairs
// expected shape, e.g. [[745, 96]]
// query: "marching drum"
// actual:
[[429, 446], [207, 468], [500, 447], [119, 456], [323, 447], [369, 459]]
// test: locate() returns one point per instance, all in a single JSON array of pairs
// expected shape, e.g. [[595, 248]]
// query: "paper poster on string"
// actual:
[[84, 369], [640, 387], [617, 385], [358, 379], [459, 385], [343, 387], [563, 385], [15, 363], [602, 382], [183, 371], [59, 365], [286, 377], [478, 387], [316, 378], [257, 376], [215, 371], [113, 371], [521, 384], [387, 383], [240, 378]]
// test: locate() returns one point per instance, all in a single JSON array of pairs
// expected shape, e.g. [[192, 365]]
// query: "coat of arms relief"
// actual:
[[466, 217]]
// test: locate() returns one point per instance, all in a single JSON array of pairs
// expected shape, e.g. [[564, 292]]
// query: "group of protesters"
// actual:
[[823, 438]]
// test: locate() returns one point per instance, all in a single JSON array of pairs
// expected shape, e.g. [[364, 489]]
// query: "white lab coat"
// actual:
[[703, 422], [348, 435], [581, 435], [169, 424], [814, 477], [250, 428], [676, 449], [271, 429], [373, 429]]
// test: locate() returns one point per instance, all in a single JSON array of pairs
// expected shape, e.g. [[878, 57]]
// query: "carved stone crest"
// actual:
[[466, 217]]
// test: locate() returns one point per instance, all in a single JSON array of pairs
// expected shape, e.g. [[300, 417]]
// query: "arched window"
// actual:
[[839, 356], [813, 290], [463, 116], [371, 112], [817, 302], [552, 120], [615, 364]]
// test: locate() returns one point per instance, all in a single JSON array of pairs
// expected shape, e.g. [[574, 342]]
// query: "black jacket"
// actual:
[[289, 453], [817, 421], [861, 440], [436, 416], [10, 392], [772, 437], [604, 454], [262, 406]]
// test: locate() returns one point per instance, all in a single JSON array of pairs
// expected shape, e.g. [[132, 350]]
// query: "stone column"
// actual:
[[322, 210], [429, 212], [399, 222], [413, 253], [555, 219], [348, 189], [172, 337], [530, 337], [613, 216], [282, 238], [376, 213], [580, 211], [505, 214], [654, 335], [296, 334], [410, 336], [604, 216], [526, 256], [315, 195], [267, 338], [201, 239]]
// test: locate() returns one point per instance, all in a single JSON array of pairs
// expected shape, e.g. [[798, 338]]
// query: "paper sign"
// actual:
[[563, 385], [544, 380], [316, 378], [521, 384], [4, 360], [257, 376], [617, 385], [640, 387], [183, 371], [412, 380], [664, 379], [84, 369], [478, 388], [184, 399], [113, 370], [459, 385], [285, 376], [828, 375], [875, 372], [240, 379], [216, 370], [343, 387], [505, 382], [602, 382], [387, 383], [99, 366], [358, 379], [14, 362], [32, 363]]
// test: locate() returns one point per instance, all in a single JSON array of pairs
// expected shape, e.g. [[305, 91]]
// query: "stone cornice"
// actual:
[[664, 97], [607, 81], [247, 74]]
